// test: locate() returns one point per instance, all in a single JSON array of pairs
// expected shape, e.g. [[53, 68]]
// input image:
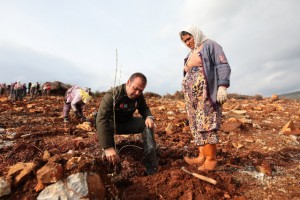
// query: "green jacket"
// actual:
[[124, 109]]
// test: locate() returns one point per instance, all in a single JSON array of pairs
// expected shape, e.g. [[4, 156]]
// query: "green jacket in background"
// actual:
[[124, 109]]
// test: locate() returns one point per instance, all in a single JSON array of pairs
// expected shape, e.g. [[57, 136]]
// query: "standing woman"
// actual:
[[205, 83]]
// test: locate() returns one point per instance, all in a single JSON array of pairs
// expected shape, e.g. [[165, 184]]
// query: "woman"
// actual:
[[206, 78]]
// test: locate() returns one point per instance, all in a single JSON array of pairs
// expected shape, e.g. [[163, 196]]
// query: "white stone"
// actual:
[[76, 187], [239, 112], [4, 187], [170, 113], [78, 183], [57, 191]]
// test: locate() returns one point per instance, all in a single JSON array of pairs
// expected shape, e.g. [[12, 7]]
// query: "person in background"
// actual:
[[205, 83], [46, 89], [115, 115], [18, 90], [24, 90], [33, 91], [2, 89], [75, 98], [12, 91], [38, 89], [29, 88]]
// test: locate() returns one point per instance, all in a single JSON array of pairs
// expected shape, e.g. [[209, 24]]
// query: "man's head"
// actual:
[[136, 85]]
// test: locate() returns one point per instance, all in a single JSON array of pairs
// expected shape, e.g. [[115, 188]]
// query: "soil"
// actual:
[[255, 160]]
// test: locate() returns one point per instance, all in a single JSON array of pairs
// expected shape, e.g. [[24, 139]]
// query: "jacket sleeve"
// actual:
[[143, 107], [222, 66], [104, 122]]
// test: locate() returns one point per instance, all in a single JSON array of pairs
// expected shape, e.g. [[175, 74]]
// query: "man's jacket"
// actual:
[[124, 109]]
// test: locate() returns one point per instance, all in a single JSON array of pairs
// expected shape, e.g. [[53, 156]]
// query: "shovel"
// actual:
[[201, 177]]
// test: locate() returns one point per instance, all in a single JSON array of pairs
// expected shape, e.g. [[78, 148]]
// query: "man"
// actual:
[[75, 98], [118, 105], [18, 91]]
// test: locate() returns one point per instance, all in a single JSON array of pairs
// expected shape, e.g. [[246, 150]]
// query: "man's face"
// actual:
[[135, 88], [189, 41]]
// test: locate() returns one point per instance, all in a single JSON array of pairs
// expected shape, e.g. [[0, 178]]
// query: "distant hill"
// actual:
[[292, 95]]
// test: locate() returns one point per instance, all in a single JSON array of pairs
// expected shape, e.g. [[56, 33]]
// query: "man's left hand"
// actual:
[[149, 122]]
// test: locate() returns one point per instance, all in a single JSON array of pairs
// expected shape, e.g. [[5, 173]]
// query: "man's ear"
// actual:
[[128, 83]]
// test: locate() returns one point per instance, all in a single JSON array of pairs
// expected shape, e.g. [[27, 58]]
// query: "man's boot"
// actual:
[[198, 160], [210, 151], [150, 158]]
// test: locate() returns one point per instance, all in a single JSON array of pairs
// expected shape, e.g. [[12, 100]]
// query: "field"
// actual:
[[257, 158]]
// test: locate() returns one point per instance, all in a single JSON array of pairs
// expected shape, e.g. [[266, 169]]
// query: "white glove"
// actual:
[[222, 94]]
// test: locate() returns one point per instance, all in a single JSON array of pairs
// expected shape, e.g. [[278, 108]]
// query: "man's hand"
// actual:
[[149, 122], [222, 94], [111, 155]]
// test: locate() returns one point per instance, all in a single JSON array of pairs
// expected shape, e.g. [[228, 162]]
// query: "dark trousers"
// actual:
[[137, 125], [67, 108]]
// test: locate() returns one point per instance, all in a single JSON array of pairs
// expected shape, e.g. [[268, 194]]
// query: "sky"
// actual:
[[99, 44]]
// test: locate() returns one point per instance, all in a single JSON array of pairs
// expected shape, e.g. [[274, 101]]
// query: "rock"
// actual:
[[265, 168], [19, 172], [19, 109], [274, 97], [170, 113], [4, 187], [73, 163], [170, 129], [286, 129], [46, 155], [162, 108], [86, 126], [186, 129], [239, 112], [290, 129], [77, 186], [96, 186], [230, 125], [181, 104], [77, 182], [50, 173], [3, 99], [55, 191], [30, 106], [2, 130]]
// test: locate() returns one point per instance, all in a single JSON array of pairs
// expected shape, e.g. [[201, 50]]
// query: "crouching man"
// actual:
[[117, 107]]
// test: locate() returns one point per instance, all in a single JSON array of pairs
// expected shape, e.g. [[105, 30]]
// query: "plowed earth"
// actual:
[[255, 161]]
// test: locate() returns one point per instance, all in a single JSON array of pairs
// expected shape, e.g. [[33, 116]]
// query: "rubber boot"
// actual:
[[150, 158], [198, 160], [210, 151]]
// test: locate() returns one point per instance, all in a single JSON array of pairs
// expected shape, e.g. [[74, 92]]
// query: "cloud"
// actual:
[[259, 38]]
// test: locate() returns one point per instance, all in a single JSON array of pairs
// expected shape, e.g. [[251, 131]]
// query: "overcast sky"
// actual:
[[75, 41]]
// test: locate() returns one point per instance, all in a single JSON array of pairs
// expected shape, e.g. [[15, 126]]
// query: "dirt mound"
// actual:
[[58, 88]]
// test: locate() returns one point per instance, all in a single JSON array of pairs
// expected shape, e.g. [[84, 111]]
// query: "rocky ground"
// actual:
[[41, 157]]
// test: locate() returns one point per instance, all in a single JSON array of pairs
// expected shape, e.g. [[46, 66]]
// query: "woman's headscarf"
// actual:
[[85, 96], [199, 37]]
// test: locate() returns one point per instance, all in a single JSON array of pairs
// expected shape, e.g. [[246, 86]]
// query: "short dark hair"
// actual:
[[183, 33], [140, 75]]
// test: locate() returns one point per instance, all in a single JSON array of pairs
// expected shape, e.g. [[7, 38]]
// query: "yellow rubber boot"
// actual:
[[211, 158], [198, 160]]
